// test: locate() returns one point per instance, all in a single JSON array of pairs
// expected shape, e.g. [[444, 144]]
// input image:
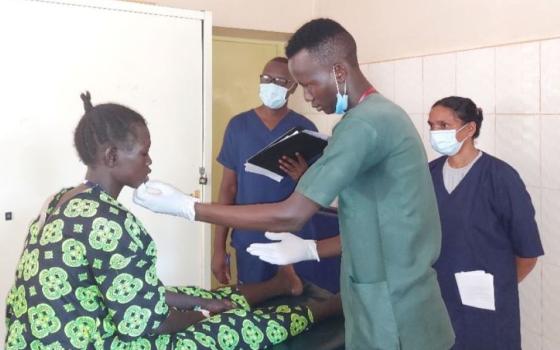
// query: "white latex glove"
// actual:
[[288, 250], [165, 199]]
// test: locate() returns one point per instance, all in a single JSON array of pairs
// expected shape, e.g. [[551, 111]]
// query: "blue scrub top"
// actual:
[[326, 273], [486, 221], [245, 135]]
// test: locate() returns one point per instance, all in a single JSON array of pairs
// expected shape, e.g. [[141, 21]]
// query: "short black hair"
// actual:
[[324, 38], [465, 109], [101, 124], [279, 59]]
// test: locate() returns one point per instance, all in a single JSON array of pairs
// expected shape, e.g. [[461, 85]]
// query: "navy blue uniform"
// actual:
[[487, 221], [245, 135]]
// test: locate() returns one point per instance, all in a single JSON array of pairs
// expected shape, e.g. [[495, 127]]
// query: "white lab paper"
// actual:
[[476, 289]]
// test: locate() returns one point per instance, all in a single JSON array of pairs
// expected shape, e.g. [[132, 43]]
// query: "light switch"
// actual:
[[8, 215]]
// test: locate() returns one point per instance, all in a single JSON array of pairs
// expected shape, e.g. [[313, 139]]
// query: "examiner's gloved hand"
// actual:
[[165, 199], [288, 250]]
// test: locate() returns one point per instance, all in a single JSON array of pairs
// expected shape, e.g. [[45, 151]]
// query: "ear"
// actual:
[[110, 156], [471, 129], [292, 89], [340, 72]]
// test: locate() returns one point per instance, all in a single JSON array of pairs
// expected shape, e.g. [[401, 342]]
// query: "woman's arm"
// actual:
[[182, 301], [188, 302], [524, 267], [178, 320]]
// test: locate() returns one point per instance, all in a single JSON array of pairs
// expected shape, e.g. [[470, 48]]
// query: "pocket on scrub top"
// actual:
[[374, 324]]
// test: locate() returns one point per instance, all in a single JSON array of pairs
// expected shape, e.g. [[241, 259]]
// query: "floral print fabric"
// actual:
[[87, 280]]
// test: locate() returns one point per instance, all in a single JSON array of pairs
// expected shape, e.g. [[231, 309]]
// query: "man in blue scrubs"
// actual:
[[246, 134], [488, 224]]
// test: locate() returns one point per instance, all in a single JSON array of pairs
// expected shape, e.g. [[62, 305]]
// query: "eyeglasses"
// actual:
[[267, 79]]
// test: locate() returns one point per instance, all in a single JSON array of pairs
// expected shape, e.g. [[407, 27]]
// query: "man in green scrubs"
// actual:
[[376, 165]]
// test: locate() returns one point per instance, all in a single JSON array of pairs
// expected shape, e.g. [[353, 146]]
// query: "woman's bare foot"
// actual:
[[290, 279], [285, 282]]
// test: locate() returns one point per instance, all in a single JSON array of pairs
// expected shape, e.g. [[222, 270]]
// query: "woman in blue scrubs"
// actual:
[[488, 224]]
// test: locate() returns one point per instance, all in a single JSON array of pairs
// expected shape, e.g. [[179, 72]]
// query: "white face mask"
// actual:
[[273, 96], [445, 141]]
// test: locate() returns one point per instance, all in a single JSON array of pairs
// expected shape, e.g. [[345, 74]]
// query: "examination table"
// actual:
[[326, 335]]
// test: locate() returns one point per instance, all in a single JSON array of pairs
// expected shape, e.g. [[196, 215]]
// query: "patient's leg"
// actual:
[[324, 309], [258, 328], [285, 282]]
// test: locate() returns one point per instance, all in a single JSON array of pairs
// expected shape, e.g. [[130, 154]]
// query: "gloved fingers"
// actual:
[[278, 236], [141, 188], [138, 196], [268, 252], [143, 191], [271, 258], [262, 247], [156, 187], [152, 190], [153, 183]]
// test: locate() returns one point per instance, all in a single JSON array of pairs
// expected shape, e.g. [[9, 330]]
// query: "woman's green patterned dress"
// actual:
[[88, 280]]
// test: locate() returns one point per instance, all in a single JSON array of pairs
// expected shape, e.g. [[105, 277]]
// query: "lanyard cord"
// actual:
[[370, 90]]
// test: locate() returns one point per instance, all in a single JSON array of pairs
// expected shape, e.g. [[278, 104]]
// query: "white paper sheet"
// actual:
[[250, 168], [476, 289]]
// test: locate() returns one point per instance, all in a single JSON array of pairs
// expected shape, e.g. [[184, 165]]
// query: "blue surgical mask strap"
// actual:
[[341, 99], [457, 131], [336, 82]]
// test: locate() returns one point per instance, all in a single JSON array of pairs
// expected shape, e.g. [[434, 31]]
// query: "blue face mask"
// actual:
[[445, 141], [341, 99], [273, 96]]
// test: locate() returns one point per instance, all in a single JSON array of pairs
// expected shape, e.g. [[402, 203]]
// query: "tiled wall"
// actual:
[[518, 88]]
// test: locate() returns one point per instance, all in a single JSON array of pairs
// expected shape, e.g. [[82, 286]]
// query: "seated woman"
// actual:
[[87, 276]]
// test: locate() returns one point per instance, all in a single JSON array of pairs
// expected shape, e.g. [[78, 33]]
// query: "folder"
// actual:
[[309, 144]]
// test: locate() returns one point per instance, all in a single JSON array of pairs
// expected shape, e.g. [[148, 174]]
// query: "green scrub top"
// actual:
[[390, 229]]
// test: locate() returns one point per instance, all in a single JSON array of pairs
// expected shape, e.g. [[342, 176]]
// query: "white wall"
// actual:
[[43, 69], [276, 16], [388, 29], [518, 88]]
